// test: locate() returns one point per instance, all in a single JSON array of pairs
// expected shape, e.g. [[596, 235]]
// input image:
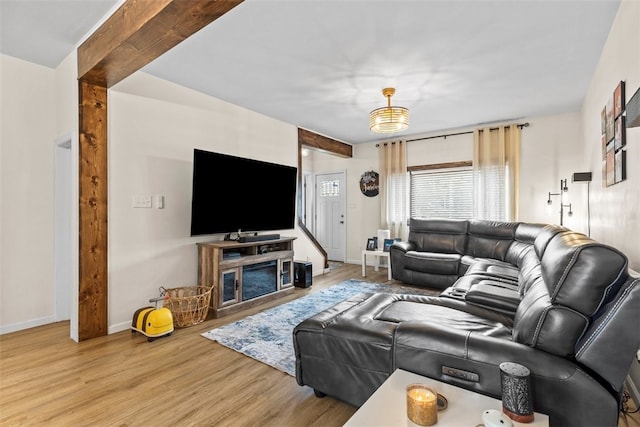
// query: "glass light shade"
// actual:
[[389, 119]]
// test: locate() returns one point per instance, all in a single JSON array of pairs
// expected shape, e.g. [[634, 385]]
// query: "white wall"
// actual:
[[151, 144], [27, 137], [615, 217], [66, 98], [550, 152], [615, 209]]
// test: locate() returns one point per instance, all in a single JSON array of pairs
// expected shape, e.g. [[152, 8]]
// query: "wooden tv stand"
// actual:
[[236, 270]]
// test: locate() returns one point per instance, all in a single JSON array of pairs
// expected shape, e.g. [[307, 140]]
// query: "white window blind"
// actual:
[[442, 193]]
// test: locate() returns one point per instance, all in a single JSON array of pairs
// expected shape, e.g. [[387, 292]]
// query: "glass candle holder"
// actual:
[[422, 405]]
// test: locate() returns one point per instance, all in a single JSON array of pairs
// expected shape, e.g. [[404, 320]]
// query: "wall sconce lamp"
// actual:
[[563, 190]]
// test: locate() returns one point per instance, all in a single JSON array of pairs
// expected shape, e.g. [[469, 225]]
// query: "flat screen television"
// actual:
[[232, 193]]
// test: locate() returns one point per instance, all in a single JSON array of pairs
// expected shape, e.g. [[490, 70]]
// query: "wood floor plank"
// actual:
[[181, 380]]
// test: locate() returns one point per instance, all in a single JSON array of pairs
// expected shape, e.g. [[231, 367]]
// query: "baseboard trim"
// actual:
[[633, 390], [20, 326], [119, 327]]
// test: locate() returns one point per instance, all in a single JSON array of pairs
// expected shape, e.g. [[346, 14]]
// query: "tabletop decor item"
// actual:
[[517, 402], [422, 405]]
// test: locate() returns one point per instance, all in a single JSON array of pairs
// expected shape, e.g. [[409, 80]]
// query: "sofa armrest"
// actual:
[[471, 361], [403, 247], [496, 297]]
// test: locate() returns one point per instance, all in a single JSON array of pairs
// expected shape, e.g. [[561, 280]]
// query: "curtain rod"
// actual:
[[520, 125]]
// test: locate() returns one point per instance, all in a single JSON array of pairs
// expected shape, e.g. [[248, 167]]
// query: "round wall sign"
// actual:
[[370, 184]]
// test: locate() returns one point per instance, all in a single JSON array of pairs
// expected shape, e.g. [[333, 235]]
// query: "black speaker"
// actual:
[[302, 274], [581, 177]]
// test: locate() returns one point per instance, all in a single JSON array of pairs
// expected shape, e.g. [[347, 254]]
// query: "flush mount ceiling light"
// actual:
[[389, 119]]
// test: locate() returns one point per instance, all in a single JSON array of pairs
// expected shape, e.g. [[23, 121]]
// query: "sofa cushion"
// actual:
[[409, 311]]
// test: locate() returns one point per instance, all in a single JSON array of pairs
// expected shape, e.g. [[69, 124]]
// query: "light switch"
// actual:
[[158, 201]]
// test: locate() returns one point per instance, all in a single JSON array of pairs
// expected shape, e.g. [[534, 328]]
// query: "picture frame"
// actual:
[[610, 119], [620, 166], [619, 137], [387, 244], [371, 244], [610, 168], [618, 100]]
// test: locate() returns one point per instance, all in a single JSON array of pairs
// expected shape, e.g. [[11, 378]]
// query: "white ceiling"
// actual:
[[321, 64]]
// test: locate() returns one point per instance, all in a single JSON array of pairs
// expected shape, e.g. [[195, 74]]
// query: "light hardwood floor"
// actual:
[[181, 380]]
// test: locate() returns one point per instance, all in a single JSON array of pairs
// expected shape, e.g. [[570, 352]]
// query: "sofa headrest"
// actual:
[[544, 237], [581, 273], [527, 232], [494, 229], [439, 235], [490, 239], [438, 225]]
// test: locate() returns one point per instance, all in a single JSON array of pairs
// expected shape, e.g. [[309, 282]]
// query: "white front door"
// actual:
[[331, 222]]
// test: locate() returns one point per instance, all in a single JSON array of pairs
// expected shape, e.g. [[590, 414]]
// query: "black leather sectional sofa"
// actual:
[[554, 300]]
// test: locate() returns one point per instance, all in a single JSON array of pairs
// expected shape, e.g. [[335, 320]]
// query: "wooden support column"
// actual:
[[92, 304], [136, 34]]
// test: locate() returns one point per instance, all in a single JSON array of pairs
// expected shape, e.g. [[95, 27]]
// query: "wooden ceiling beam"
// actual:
[[324, 144], [141, 31]]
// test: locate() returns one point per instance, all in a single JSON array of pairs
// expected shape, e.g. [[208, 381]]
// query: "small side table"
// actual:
[[377, 255], [387, 406]]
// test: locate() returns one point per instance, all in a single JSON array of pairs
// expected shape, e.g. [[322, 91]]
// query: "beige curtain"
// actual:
[[394, 190], [496, 173]]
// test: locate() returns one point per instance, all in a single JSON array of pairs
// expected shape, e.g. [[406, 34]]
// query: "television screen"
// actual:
[[233, 193]]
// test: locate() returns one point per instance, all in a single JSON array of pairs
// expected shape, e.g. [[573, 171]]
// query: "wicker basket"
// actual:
[[189, 305]]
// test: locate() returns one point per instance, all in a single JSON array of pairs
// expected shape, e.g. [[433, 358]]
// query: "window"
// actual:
[[442, 193], [330, 188]]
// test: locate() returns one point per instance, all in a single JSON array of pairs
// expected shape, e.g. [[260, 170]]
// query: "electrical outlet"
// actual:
[[141, 201]]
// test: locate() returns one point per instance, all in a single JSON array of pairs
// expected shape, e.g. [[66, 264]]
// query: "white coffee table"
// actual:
[[387, 407], [377, 254]]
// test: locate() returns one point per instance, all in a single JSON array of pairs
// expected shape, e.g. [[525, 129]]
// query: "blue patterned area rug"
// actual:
[[268, 336]]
